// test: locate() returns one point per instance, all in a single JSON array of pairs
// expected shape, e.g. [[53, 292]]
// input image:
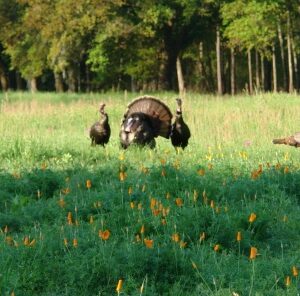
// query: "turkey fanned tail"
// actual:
[[145, 119]]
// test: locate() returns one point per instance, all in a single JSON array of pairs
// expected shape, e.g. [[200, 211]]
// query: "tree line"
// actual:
[[208, 46]]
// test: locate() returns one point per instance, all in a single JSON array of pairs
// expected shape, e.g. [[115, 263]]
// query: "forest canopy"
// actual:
[[205, 46]]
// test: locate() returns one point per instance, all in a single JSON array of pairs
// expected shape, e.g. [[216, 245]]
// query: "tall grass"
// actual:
[[229, 170]]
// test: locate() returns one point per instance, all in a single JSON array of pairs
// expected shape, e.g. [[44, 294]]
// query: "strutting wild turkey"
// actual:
[[100, 130], [180, 132], [145, 119], [291, 140]]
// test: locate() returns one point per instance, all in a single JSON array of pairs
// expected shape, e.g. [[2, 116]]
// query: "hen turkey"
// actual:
[[100, 130], [145, 119], [180, 132], [291, 140]]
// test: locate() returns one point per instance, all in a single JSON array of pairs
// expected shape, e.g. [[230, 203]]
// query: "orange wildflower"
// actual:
[[253, 253], [65, 191], [175, 237], [88, 184], [75, 243], [132, 205], [104, 235], [26, 241], [295, 271], [153, 203], [43, 166], [287, 281], [163, 221], [119, 286], [168, 195], [179, 202], [217, 248], [142, 229], [155, 212], [286, 170], [130, 190], [122, 176], [212, 204], [148, 243], [69, 218], [163, 161], [201, 172], [252, 217], [238, 236]]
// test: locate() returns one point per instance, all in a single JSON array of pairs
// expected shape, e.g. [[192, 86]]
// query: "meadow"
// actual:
[[219, 218]]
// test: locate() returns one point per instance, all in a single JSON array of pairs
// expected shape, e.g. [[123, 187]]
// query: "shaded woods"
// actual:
[[205, 46]]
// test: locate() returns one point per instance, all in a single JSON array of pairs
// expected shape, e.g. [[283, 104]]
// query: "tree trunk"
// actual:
[[219, 65], [295, 65], [18, 81], [282, 57], [71, 80], [232, 71], [274, 70], [262, 69], [3, 78], [290, 64], [250, 72], [32, 85], [87, 79], [59, 86], [180, 76], [257, 80]]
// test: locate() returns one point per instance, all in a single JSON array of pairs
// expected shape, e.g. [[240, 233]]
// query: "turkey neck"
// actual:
[[103, 118]]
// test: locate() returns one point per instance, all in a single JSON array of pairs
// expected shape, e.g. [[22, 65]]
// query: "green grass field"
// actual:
[[76, 219]]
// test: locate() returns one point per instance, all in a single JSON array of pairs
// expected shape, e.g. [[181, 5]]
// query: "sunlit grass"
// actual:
[[77, 220]]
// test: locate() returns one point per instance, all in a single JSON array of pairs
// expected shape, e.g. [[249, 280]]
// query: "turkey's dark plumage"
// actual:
[[145, 119], [180, 132], [100, 130], [291, 140]]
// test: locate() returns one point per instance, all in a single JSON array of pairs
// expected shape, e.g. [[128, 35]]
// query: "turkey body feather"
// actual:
[[180, 132], [291, 140], [100, 130]]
